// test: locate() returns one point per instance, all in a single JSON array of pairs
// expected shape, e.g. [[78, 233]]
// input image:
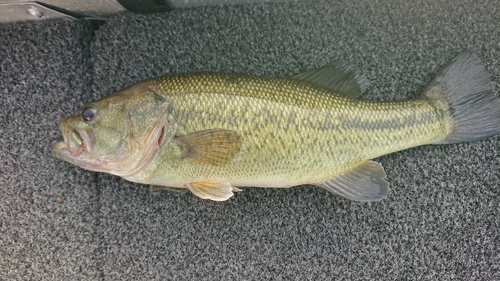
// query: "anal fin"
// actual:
[[216, 189], [365, 182]]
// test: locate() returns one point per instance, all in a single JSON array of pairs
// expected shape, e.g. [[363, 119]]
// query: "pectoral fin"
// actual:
[[215, 147], [365, 182], [216, 190]]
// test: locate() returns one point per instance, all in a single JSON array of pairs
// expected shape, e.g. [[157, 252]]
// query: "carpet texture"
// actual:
[[60, 222]]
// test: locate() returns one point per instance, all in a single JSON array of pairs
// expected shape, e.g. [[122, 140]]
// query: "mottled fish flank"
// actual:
[[215, 132]]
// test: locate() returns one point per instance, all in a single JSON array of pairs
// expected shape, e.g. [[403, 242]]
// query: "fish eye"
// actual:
[[89, 113]]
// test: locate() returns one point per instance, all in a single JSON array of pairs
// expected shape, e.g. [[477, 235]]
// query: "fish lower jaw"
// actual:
[[60, 150], [74, 150], [59, 146]]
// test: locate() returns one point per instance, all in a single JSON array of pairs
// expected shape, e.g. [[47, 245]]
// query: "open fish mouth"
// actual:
[[75, 148], [76, 142]]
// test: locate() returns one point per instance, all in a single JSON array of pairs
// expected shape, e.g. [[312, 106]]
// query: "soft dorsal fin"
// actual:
[[365, 182], [214, 147], [341, 78]]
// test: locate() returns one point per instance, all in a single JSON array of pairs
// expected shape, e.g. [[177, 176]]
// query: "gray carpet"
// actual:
[[59, 222]]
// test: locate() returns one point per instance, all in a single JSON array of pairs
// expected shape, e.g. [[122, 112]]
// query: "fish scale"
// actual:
[[328, 134]]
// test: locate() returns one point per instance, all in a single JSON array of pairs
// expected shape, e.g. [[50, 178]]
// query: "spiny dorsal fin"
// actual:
[[216, 189], [365, 182], [341, 78], [214, 147]]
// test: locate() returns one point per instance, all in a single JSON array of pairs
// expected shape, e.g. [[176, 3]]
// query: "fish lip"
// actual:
[[58, 147], [76, 141], [85, 140], [61, 151]]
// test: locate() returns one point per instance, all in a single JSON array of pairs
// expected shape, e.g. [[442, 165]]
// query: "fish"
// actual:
[[214, 133]]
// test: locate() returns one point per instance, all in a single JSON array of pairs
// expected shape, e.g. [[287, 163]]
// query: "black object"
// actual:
[[145, 6]]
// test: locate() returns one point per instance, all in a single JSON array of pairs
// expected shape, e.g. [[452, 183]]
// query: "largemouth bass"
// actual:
[[215, 132]]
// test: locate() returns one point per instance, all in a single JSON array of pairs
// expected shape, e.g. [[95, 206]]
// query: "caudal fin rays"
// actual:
[[464, 86]]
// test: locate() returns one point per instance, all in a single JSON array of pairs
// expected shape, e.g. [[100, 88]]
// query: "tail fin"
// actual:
[[465, 87]]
